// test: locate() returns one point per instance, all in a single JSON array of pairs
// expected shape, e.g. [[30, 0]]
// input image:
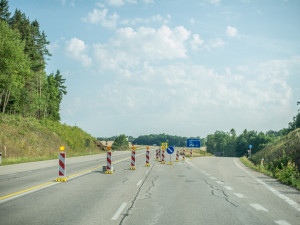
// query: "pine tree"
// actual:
[[4, 13]]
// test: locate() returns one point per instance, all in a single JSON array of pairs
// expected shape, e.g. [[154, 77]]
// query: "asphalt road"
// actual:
[[206, 190]]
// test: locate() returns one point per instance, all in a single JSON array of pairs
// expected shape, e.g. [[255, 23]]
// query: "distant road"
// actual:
[[206, 190]]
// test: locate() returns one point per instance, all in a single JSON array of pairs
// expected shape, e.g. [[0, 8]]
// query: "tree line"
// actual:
[[25, 87]]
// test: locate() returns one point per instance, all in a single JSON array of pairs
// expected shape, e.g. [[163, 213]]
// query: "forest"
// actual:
[[25, 88]]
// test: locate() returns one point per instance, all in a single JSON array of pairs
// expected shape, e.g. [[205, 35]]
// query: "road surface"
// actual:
[[206, 190]]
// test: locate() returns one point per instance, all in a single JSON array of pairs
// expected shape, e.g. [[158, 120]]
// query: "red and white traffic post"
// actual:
[[109, 169], [157, 154], [163, 156], [62, 165], [132, 167], [147, 157], [177, 156], [183, 154], [191, 153]]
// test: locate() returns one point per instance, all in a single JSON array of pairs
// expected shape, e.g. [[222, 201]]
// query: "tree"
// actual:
[[13, 68], [120, 143], [4, 13]]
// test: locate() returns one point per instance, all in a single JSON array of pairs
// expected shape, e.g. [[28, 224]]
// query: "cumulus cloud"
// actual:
[[231, 31], [76, 48], [131, 46], [154, 19], [214, 43], [102, 17], [196, 42], [215, 2]]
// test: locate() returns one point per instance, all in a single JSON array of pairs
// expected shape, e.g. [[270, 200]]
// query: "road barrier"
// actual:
[[157, 154], [62, 166], [191, 153], [183, 154], [163, 156], [147, 159], [177, 156], [109, 169], [133, 160]]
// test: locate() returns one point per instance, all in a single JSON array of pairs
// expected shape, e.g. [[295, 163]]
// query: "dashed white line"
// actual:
[[282, 196], [147, 171], [281, 222], [219, 182], [119, 211], [239, 195], [213, 178], [138, 183], [228, 188], [259, 207]]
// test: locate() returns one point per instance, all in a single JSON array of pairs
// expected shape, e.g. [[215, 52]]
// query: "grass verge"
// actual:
[[287, 175]]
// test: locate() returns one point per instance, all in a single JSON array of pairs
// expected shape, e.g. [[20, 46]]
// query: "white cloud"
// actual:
[[196, 42], [214, 43], [76, 48], [129, 46], [148, 1], [215, 2], [115, 2], [101, 17], [154, 19], [231, 31], [192, 21]]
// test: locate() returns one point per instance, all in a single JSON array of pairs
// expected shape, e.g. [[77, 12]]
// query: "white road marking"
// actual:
[[282, 196], [281, 222], [239, 195], [213, 178], [147, 171], [117, 214], [138, 183], [228, 188], [191, 164], [259, 207], [219, 182]]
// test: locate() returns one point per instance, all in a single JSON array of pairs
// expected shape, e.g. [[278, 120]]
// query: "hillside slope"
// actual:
[[28, 139], [283, 150]]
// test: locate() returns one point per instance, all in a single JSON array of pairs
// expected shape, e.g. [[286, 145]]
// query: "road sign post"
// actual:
[[62, 165], [170, 151]]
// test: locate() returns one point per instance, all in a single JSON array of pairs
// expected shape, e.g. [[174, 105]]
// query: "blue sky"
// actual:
[[180, 67]]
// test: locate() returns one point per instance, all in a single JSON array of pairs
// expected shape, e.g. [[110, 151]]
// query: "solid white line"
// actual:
[[259, 207], [228, 188], [191, 164], [282, 196], [213, 178], [219, 182], [138, 183], [239, 195], [281, 222], [117, 214]]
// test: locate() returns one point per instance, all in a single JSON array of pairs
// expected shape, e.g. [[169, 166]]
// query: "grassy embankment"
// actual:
[[28, 139], [281, 159], [196, 152]]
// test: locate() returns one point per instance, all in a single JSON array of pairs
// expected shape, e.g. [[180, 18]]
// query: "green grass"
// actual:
[[287, 174], [28, 139]]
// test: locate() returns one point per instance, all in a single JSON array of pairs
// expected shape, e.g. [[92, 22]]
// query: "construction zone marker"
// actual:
[[191, 153], [157, 154], [133, 159], [109, 169], [147, 158], [62, 166], [183, 154], [163, 156], [177, 156]]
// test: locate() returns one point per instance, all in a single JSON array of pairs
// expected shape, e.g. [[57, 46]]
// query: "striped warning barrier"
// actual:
[[183, 154], [191, 153], [108, 163], [163, 156], [157, 154], [133, 160], [177, 156], [62, 165], [147, 159]]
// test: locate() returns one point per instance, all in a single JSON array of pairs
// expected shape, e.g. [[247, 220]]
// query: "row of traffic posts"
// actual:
[[108, 169]]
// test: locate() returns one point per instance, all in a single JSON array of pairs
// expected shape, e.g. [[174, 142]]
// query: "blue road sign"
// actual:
[[250, 146], [193, 143], [170, 150]]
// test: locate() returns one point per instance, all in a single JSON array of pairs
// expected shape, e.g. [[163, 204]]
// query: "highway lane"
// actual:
[[207, 190]]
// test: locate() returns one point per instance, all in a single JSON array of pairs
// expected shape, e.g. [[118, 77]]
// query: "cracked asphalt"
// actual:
[[207, 190]]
